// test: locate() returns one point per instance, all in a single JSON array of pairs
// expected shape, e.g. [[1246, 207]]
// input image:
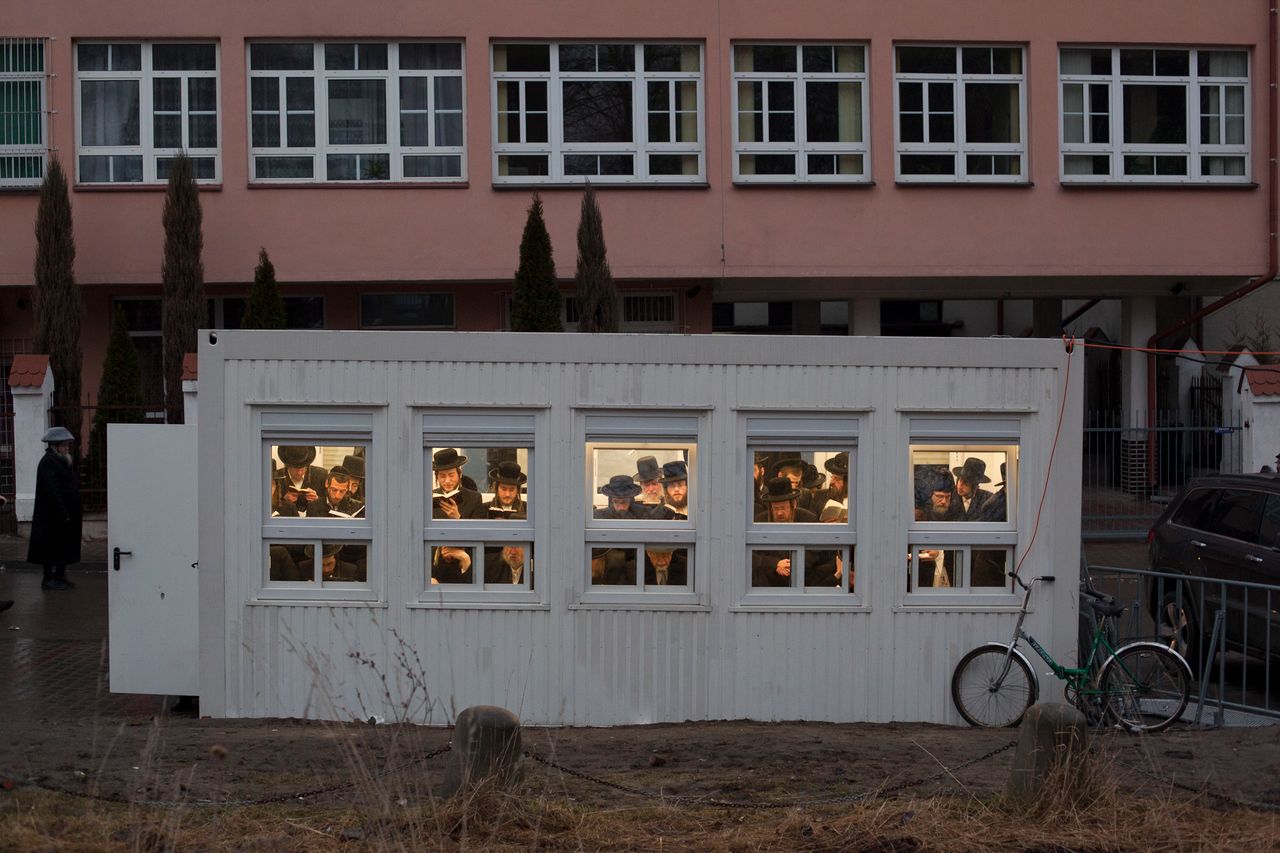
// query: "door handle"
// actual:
[[1198, 543], [1253, 558], [116, 554]]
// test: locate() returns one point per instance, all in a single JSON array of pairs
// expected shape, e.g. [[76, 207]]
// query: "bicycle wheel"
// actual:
[[980, 700], [1146, 686]]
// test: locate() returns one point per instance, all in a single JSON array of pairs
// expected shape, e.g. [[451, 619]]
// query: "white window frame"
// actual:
[[321, 428], [321, 148], [555, 149], [801, 148], [605, 429], [801, 432], [471, 427], [1116, 149], [961, 433], [146, 114], [960, 148], [26, 152]]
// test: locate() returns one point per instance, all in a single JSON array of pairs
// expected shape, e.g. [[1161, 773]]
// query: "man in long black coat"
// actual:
[[57, 517]]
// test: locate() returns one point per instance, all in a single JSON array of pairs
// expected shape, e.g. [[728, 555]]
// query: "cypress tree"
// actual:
[[535, 302], [598, 309], [119, 396], [183, 307], [265, 309], [55, 299]]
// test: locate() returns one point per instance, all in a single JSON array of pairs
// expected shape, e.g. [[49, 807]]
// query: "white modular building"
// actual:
[[403, 524]]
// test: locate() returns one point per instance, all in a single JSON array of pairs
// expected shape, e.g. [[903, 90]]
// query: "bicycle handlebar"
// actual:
[[1026, 586]]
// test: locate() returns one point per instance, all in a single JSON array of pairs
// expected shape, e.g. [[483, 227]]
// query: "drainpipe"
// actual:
[[1272, 259]]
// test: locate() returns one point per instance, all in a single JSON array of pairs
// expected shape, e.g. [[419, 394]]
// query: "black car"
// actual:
[[1224, 528]]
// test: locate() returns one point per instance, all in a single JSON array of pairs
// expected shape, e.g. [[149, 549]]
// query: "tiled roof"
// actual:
[[189, 368], [28, 371], [1264, 381]]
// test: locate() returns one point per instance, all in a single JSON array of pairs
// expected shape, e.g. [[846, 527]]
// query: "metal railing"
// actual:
[[1229, 632]]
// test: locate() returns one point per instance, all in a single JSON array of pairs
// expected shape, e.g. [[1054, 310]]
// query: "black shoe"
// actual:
[[61, 575], [185, 705], [5, 605], [54, 583]]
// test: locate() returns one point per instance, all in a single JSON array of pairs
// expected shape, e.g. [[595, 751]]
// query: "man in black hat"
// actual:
[[812, 493], [337, 494], [665, 565], [302, 482], [773, 568], [675, 493], [621, 491], [507, 479], [331, 568], [649, 476], [56, 516], [935, 494], [764, 461], [970, 499], [354, 466], [451, 499], [505, 564]]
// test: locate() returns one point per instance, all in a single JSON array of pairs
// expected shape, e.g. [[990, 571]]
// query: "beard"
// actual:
[[65, 457]]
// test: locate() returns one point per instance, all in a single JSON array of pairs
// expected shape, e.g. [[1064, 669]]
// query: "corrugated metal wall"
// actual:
[[561, 660]]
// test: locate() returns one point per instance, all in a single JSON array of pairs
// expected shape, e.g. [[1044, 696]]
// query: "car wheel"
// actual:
[[1178, 628]]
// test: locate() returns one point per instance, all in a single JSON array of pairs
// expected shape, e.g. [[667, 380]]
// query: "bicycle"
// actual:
[[1140, 686]]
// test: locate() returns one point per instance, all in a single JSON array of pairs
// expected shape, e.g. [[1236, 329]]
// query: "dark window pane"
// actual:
[[302, 131], [773, 57], [1237, 514], [1100, 128], [536, 127], [1195, 508], [449, 129], [1138, 62], [673, 164], [183, 57], [340, 57], [659, 96], [526, 165], [266, 168], [299, 94], [1139, 165], [617, 164], [166, 94], [201, 168], [911, 128], [975, 60], [1006, 60], [266, 131], [109, 112], [818, 59], [659, 127], [942, 97], [449, 93], [126, 57], [383, 310], [1270, 532], [413, 93], [342, 167], [942, 128], [202, 94], [428, 57], [527, 57], [662, 57], [433, 166], [304, 312], [372, 56], [1173, 63], [415, 129], [928, 164], [782, 127], [991, 112], [168, 131], [924, 59], [617, 57], [911, 96], [357, 112], [577, 57], [993, 164], [142, 315], [581, 164], [1171, 165], [782, 96], [535, 96], [1155, 115], [774, 164], [281, 57], [597, 111], [822, 164], [91, 57]]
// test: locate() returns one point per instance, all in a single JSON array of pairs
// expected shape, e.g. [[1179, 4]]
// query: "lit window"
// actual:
[[356, 111], [23, 129], [961, 114], [140, 104], [801, 113], [1155, 114], [602, 112]]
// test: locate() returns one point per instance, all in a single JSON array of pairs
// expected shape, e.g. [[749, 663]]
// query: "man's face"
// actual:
[[353, 487], [941, 500], [506, 493], [660, 559], [795, 475], [329, 563], [759, 472], [782, 511], [336, 489], [513, 555], [652, 490], [837, 487], [448, 479], [297, 473], [964, 488], [620, 505], [678, 493]]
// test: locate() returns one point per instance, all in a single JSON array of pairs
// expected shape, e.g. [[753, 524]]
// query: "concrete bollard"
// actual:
[[486, 748], [1051, 733]]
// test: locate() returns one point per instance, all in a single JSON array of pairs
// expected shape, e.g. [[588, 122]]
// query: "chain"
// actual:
[[1226, 798], [261, 801], [680, 799]]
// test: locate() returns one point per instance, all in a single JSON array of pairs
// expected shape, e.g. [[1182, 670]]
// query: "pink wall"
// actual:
[[386, 234]]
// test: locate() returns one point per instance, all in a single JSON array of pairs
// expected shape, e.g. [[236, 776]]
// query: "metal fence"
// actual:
[[1132, 469], [1229, 632], [93, 449]]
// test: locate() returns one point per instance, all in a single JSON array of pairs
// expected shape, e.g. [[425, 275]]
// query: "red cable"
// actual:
[[1062, 408], [1164, 351]]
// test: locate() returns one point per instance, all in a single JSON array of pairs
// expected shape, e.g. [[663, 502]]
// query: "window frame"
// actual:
[[813, 432], [961, 434], [960, 148], [321, 148], [801, 148], [146, 75], [1116, 149], [354, 426], [555, 149], [14, 154], [488, 427]]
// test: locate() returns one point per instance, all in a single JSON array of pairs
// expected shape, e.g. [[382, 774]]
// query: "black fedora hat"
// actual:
[[354, 466], [647, 468], [331, 549], [296, 456], [786, 460], [449, 457], [508, 473], [339, 471], [838, 464], [675, 471], [813, 478], [778, 489], [620, 486], [939, 479], [972, 469]]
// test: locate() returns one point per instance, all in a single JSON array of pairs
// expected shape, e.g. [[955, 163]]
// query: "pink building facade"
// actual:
[[898, 167]]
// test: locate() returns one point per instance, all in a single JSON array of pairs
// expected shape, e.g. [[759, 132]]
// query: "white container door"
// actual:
[[152, 591]]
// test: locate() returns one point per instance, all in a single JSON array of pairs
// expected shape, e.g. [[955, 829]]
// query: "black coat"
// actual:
[[56, 519], [470, 505]]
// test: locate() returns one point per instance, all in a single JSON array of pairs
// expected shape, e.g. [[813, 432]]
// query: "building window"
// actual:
[[300, 312], [801, 112], [406, 311], [356, 111], [801, 530], [23, 129], [643, 484], [607, 112], [139, 104], [478, 524], [144, 321], [318, 505], [964, 492], [961, 114], [641, 312], [1155, 114]]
